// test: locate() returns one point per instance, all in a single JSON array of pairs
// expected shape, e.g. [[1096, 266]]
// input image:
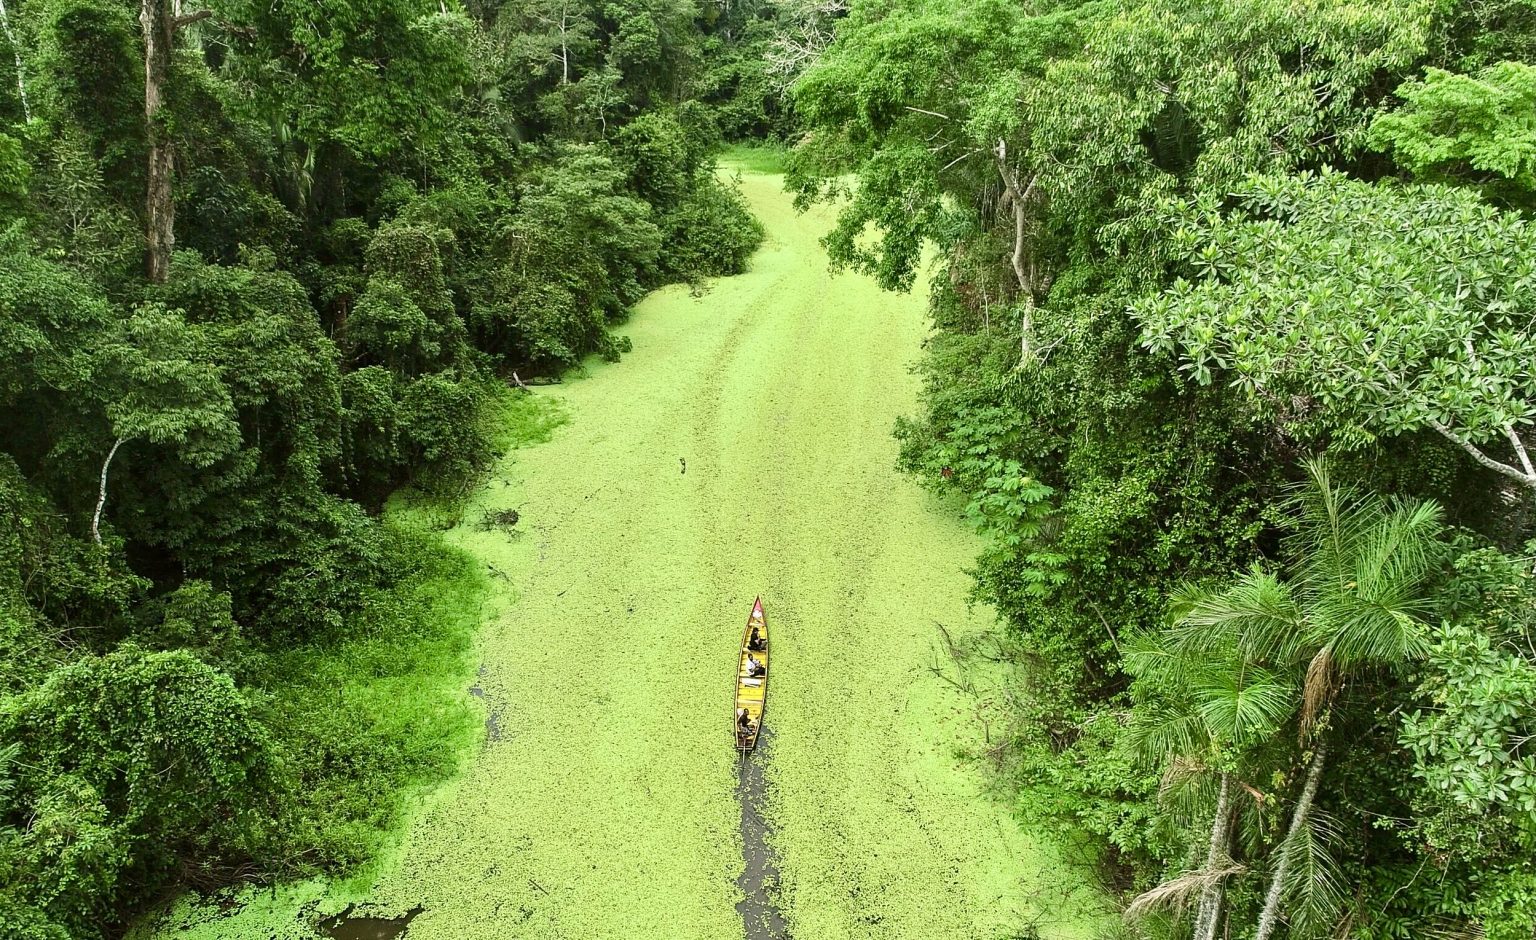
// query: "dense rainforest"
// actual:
[[260, 266], [1232, 361]]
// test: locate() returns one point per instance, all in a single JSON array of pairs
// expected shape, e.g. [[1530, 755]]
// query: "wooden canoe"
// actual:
[[751, 690]]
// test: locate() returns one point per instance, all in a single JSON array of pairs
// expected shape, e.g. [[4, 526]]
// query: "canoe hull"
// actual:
[[751, 692]]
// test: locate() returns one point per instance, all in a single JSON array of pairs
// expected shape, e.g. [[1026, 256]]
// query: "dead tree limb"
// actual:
[[101, 494]]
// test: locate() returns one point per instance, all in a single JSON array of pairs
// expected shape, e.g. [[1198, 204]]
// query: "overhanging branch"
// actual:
[[1519, 446], [187, 19], [1526, 478]]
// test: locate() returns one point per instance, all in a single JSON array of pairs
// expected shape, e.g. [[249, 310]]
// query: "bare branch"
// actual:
[[101, 495], [968, 153], [190, 18], [1525, 479], [793, 51], [1520, 451]]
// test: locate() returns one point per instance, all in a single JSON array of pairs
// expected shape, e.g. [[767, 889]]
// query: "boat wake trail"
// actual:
[[758, 911]]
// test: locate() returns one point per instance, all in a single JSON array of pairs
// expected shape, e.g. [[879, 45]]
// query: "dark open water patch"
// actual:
[[346, 927], [760, 879], [492, 714]]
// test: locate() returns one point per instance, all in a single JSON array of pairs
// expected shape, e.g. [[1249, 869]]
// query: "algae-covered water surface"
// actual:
[[743, 448]]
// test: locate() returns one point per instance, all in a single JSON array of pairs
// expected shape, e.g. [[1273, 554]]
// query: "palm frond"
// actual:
[[1182, 769], [1376, 618], [1401, 547], [1146, 656], [1160, 733], [1318, 688], [1252, 827], [1187, 790], [1242, 702], [1361, 565], [1332, 521], [1175, 893], [1257, 615], [1314, 892], [1444, 928], [1372, 634]]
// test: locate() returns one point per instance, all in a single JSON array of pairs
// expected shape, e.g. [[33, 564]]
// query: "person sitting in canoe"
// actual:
[[743, 721], [754, 668], [755, 642]]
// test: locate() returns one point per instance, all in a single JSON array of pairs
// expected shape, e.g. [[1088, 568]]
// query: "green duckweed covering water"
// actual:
[[605, 807]]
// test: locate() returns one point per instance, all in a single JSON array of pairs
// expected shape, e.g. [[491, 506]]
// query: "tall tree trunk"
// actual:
[[1269, 918], [1020, 199], [101, 494], [1221, 837], [159, 25], [565, 52], [21, 74]]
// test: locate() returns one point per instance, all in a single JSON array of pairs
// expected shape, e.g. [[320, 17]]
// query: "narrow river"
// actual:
[[744, 447]]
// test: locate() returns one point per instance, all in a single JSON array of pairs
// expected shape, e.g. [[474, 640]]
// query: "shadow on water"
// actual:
[[346, 927], [761, 877]]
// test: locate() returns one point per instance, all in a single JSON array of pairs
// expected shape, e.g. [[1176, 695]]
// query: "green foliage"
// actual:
[[660, 157], [1469, 736], [93, 85], [163, 388], [1389, 309], [1473, 746], [756, 157], [405, 318], [130, 761], [197, 618], [710, 233], [1473, 36], [54, 588], [1093, 787], [314, 67], [582, 250], [47, 311], [1220, 685], [373, 711], [1467, 128], [14, 173], [28, 923], [1464, 742], [889, 86], [1097, 107]]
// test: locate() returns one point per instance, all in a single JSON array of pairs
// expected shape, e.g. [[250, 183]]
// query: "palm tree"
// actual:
[[1209, 712], [1354, 602]]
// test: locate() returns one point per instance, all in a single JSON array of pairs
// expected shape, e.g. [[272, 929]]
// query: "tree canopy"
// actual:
[[1418, 320]]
